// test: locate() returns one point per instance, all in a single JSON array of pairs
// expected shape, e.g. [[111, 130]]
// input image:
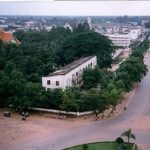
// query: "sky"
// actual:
[[75, 8]]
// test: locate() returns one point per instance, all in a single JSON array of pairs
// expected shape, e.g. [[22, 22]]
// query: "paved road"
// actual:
[[102, 130]]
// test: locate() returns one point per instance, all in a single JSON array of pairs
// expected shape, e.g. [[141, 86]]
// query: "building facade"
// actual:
[[123, 40], [70, 75], [135, 33]]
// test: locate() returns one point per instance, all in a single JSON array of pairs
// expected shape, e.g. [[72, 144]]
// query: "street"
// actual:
[[136, 117]]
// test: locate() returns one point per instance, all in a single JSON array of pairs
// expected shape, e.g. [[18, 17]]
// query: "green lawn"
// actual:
[[97, 146]]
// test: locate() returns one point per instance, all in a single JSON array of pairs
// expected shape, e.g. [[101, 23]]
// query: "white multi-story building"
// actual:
[[123, 40], [70, 75], [135, 33]]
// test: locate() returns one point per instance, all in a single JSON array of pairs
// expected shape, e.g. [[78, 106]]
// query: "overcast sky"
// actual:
[[78, 8]]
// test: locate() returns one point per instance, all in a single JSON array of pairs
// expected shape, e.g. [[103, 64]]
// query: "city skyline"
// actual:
[[78, 8]]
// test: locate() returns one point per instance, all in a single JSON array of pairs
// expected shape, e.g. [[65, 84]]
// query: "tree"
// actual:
[[114, 95], [34, 77], [86, 44], [114, 98], [82, 27], [128, 134], [119, 140], [120, 84], [135, 68], [106, 78], [56, 98], [9, 68], [85, 147], [95, 102], [125, 78], [68, 101], [91, 77], [23, 102], [16, 83], [2, 63], [3, 89]]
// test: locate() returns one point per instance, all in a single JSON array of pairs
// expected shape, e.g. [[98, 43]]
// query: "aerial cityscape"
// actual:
[[75, 75]]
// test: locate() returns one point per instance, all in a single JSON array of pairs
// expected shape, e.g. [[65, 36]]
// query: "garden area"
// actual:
[[104, 146], [118, 144]]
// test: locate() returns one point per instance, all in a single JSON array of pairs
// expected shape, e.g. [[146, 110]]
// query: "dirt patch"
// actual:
[[13, 129]]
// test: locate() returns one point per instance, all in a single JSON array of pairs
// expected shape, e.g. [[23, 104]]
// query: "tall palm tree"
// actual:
[[128, 134]]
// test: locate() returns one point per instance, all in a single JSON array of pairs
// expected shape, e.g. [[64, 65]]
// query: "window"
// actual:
[[48, 82], [76, 73], [91, 63], [57, 83]]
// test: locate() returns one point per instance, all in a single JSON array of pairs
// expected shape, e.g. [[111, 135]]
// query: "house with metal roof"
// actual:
[[69, 75]]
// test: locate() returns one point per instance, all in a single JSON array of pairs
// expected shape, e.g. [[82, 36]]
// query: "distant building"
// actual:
[[135, 33], [70, 75], [89, 22], [8, 37], [144, 21], [48, 28], [123, 40], [29, 24], [67, 25], [3, 26]]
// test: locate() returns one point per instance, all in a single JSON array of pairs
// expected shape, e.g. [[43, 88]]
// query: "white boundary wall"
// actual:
[[61, 112]]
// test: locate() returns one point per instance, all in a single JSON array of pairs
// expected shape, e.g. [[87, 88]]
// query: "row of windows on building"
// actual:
[[120, 38], [49, 82], [77, 73], [122, 43]]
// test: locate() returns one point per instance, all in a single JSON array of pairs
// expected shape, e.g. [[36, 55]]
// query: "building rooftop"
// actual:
[[7, 36], [64, 70], [117, 35]]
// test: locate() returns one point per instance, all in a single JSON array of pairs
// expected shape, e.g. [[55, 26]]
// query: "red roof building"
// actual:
[[8, 37]]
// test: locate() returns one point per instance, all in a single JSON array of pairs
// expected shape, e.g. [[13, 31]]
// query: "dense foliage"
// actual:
[[85, 44], [41, 52], [113, 85]]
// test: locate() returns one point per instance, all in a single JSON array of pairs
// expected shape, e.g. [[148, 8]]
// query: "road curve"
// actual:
[[101, 130]]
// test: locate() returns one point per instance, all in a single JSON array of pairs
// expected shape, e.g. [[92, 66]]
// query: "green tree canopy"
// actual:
[[135, 68], [86, 44], [128, 134], [91, 77], [82, 27], [68, 101]]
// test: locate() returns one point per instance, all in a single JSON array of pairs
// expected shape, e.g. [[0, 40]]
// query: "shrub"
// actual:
[[119, 140], [85, 147]]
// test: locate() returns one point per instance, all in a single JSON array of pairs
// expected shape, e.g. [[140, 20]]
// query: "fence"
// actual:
[[61, 112]]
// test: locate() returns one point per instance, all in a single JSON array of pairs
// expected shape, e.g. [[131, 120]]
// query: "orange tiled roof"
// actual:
[[7, 37]]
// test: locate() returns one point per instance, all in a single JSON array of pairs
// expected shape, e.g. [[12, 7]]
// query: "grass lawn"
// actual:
[[97, 146]]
